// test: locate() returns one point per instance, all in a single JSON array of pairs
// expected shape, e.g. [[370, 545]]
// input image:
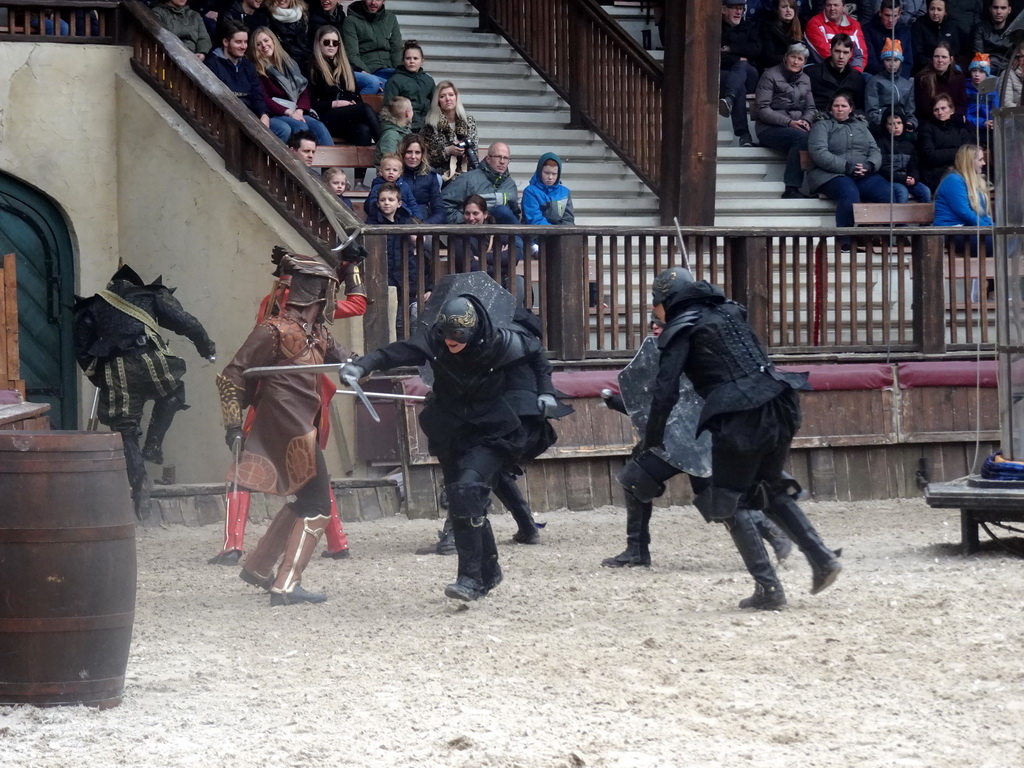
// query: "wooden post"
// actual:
[[10, 365], [485, 23], [233, 148], [689, 95], [375, 280], [578, 69], [749, 280], [566, 300], [928, 254]]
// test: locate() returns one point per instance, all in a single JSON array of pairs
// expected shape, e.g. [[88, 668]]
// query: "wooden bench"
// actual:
[[883, 214], [347, 156]]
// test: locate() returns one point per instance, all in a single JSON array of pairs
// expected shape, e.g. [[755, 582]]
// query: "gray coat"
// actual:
[[835, 149], [782, 96]]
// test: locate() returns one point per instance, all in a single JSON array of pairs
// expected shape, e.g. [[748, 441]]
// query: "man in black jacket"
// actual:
[[740, 48], [991, 35], [836, 74], [752, 412]]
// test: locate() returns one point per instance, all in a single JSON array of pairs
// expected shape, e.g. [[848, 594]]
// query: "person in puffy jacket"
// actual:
[[490, 180], [373, 40], [410, 80], [845, 160], [783, 108], [940, 139], [546, 200]]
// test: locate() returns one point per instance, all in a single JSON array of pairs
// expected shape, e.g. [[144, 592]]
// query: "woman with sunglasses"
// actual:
[[334, 94]]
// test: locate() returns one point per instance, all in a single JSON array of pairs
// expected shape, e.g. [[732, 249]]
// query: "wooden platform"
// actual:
[[979, 501]]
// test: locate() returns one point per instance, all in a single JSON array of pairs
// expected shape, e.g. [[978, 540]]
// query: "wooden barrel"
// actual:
[[67, 568]]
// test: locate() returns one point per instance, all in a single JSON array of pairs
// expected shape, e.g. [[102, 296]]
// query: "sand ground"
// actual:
[[913, 658]]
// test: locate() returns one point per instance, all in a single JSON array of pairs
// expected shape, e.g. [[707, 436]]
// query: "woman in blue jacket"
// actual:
[[546, 200], [962, 197]]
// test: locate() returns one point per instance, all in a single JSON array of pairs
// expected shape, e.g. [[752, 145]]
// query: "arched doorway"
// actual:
[[32, 227]]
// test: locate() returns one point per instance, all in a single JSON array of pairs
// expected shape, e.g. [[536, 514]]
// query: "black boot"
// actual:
[[468, 541], [638, 536], [141, 485], [508, 493], [775, 536], [159, 422], [825, 565], [490, 571], [768, 594], [446, 539]]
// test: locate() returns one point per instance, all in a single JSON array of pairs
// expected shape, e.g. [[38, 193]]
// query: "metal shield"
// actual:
[[682, 450], [496, 301]]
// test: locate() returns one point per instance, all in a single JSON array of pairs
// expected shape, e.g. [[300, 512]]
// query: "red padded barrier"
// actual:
[[952, 373], [845, 376]]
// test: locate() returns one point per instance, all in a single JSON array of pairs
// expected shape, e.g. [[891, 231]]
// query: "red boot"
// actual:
[[337, 541], [236, 515]]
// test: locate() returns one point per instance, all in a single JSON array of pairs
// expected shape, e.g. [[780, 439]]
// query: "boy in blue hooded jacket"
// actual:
[[546, 200]]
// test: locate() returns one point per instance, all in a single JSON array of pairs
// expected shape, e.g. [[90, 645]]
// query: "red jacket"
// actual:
[[819, 34]]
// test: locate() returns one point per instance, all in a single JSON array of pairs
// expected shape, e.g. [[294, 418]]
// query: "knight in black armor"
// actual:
[[752, 411], [119, 346], [477, 419]]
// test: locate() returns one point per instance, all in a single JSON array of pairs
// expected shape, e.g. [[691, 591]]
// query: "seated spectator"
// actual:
[[890, 89], [249, 12], [845, 160], [779, 28], [939, 77], [229, 64], [899, 160], [992, 35], [325, 13], [181, 21], [389, 171], [490, 180], [289, 20], [962, 199], [836, 74], [471, 253], [737, 75], [450, 133], [941, 137], [411, 81], [783, 109], [884, 28], [423, 185], [333, 92], [303, 146], [912, 11], [285, 90], [546, 200], [374, 43], [965, 15], [929, 31], [396, 124], [336, 180], [1010, 81], [981, 107], [833, 21]]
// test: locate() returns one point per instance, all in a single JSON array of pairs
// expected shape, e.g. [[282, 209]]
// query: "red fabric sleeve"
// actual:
[[353, 305]]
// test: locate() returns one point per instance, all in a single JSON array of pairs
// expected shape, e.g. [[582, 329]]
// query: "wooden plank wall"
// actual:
[[10, 366]]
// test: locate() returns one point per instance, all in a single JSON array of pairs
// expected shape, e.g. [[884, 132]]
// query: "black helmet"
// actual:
[[670, 286], [309, 278], [458, 320]]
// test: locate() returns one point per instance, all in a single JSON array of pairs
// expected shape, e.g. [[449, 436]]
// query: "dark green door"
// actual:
[[32, 227]]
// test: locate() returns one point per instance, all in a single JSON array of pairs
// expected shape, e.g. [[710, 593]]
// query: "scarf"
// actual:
[[287, 15], [290, 81]]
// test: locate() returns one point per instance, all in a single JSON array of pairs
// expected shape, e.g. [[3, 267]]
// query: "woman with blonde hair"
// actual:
[[334, 94], [962, 199], [450, 133], [285, 90], [289, 20]]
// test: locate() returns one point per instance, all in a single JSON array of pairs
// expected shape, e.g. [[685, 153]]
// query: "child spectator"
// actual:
[[411, 81], [546, 200], [899, 164], [388, 172], [890, 89], [388, 209], [395, 121], [336, 180], [981, 106]]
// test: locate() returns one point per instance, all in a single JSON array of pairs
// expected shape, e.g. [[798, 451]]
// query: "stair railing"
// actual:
[[612, 85]]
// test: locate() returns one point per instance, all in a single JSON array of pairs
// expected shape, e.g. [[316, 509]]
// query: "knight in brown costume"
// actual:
[[281, 452]]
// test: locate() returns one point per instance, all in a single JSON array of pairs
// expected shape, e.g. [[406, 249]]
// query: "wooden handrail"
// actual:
[[94, 23]]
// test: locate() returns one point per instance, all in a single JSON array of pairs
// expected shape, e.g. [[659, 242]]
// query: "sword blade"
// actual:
[[260, 372], [382, 395], [366, 401]]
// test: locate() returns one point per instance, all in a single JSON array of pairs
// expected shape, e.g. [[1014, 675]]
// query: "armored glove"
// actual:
[[231, 434], [351, 373], [547, 404], [207, 349]]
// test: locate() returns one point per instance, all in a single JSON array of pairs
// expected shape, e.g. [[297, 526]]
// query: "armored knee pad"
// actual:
[[640, 476], [468, 500]]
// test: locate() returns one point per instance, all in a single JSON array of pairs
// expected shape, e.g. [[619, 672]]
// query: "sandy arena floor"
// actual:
[[913, 658]]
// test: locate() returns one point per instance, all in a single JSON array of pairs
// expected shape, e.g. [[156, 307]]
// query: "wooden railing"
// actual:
[[95, 23], [885, 298], [612, 85]]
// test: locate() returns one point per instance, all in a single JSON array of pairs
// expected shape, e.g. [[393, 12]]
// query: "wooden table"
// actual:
[[979, 501]]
